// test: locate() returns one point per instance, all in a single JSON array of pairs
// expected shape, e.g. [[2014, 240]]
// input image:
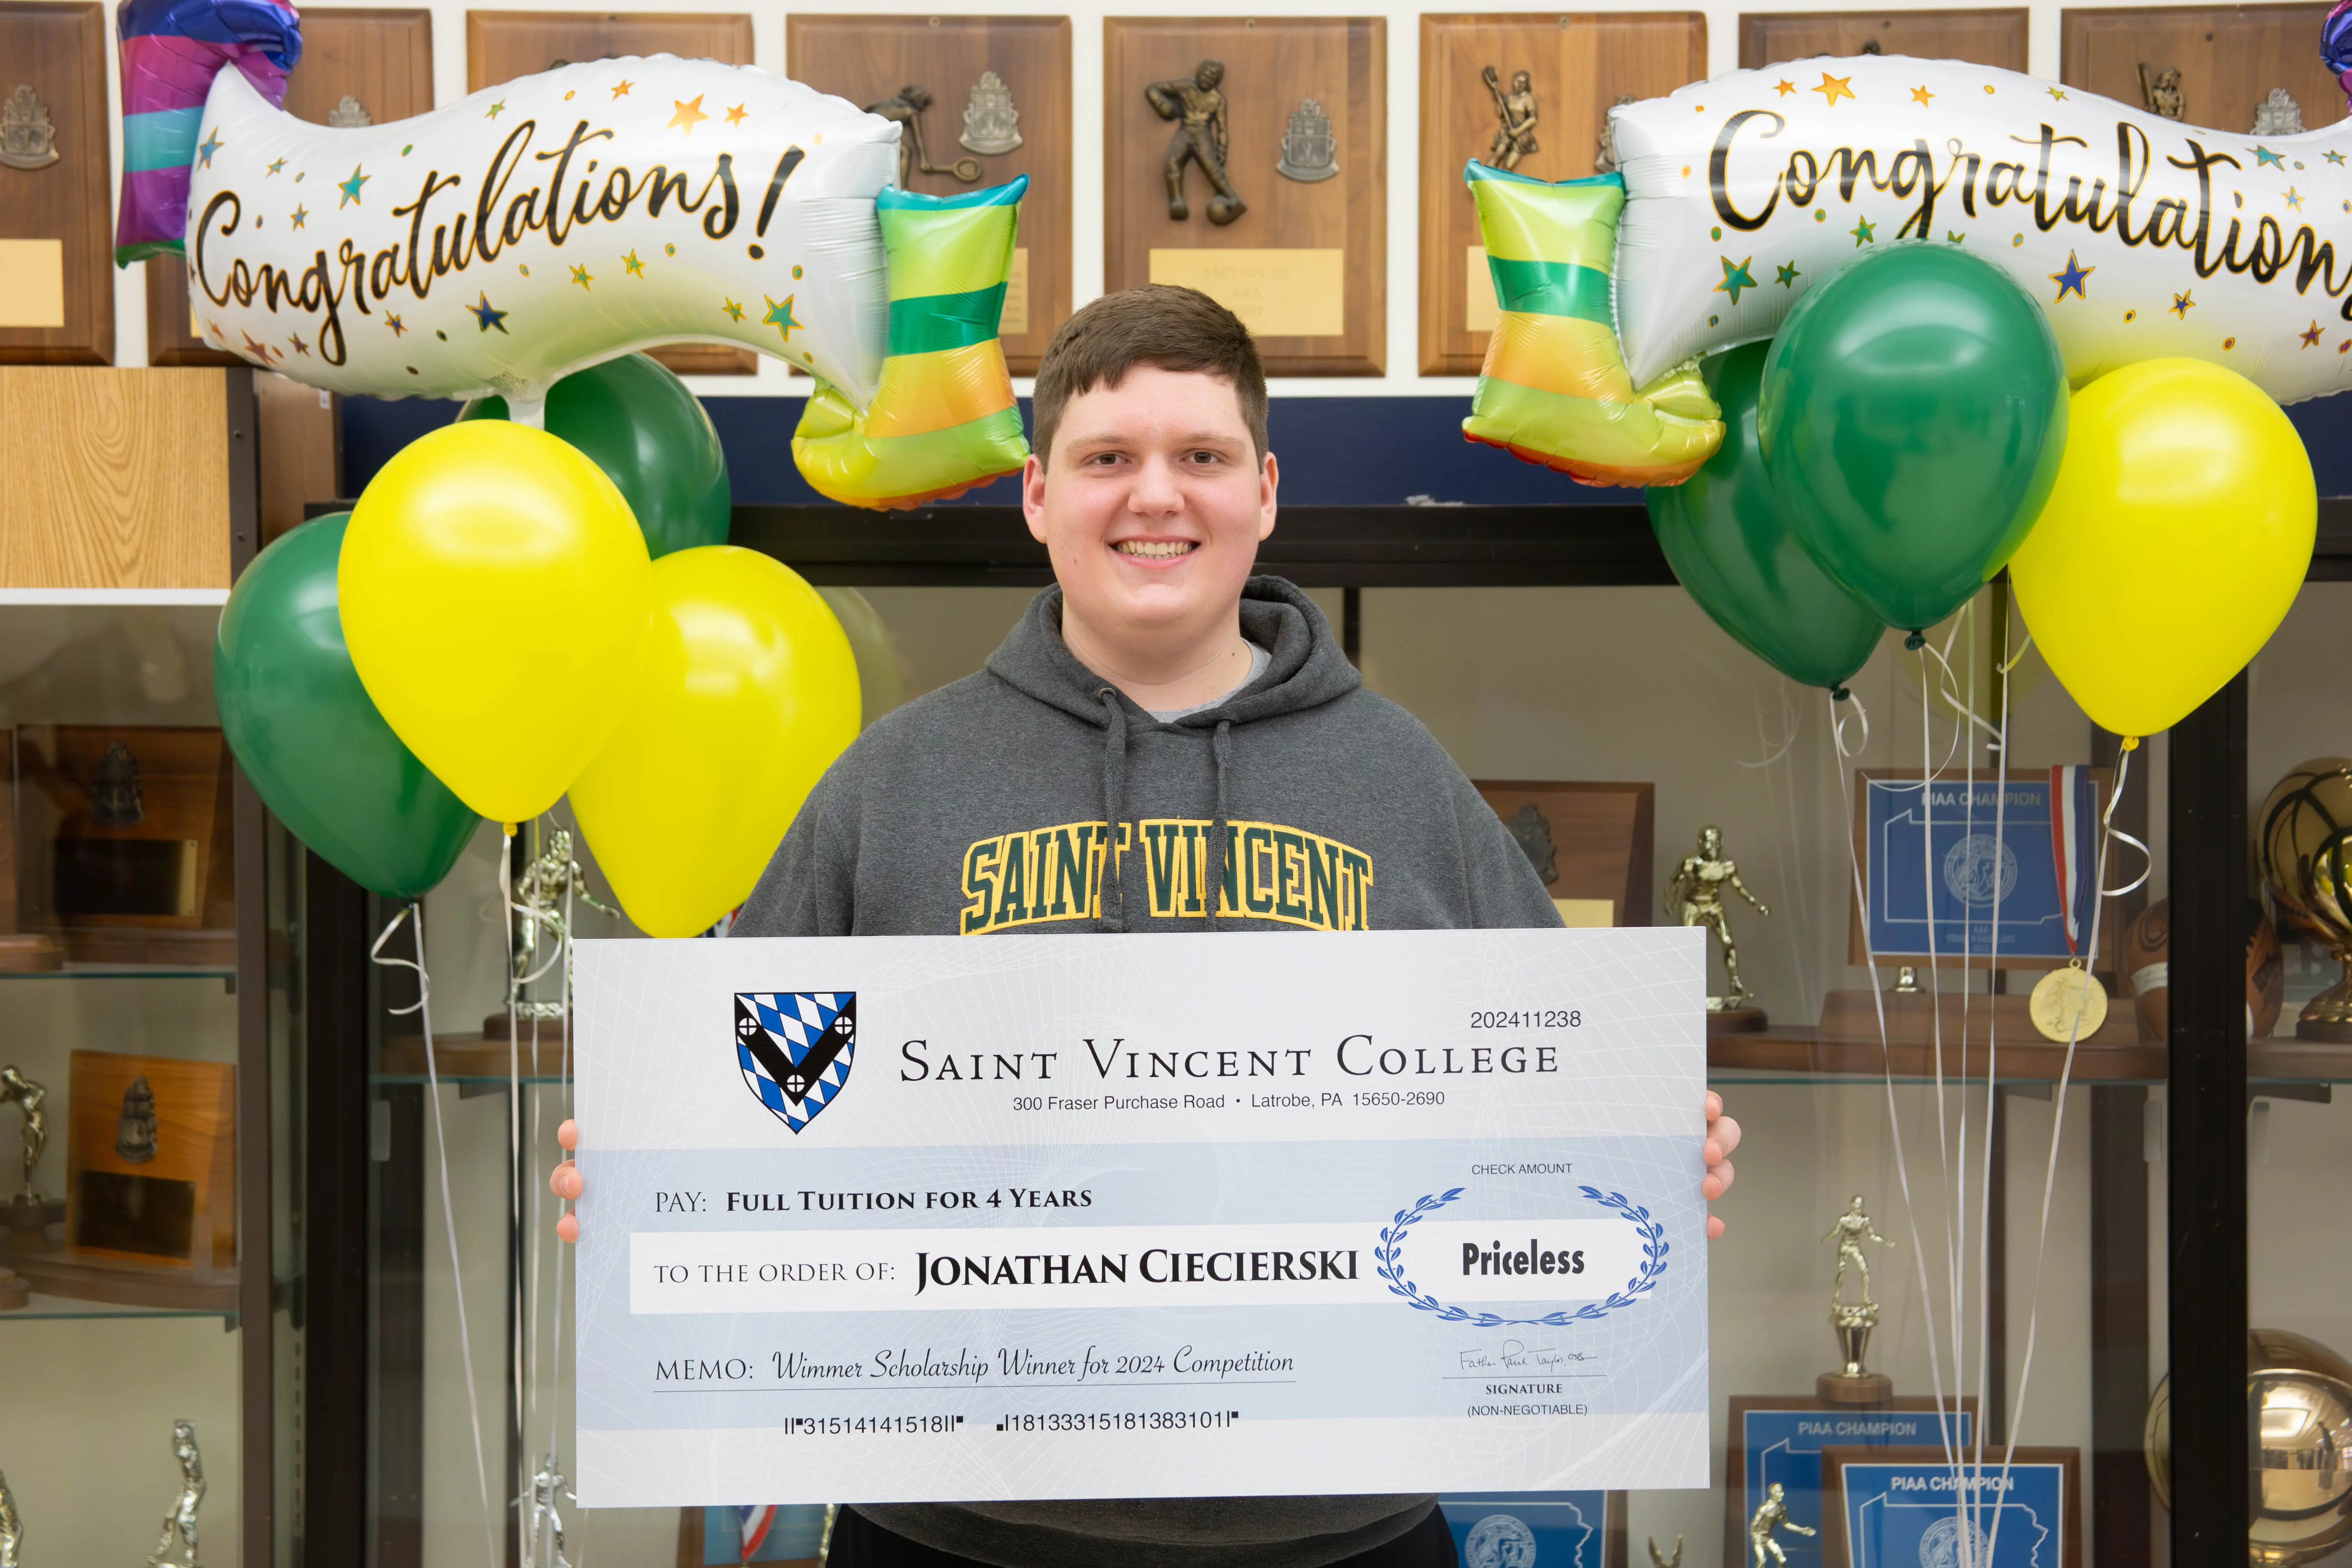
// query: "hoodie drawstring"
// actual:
[[1113, 787], [1220, 749]]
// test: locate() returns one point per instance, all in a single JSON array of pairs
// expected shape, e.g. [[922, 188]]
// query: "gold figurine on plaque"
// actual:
[[1695, 896], [1771, 1514], [1198, 107], [904, 109], [2159, 92], [1852, 1321], [1515, 135]]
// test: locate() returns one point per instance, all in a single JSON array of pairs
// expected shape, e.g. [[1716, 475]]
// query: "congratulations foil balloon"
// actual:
[[532, 229], [2142, 237]]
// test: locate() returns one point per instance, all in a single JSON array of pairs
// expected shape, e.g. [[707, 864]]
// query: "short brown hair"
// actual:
[[1162, 325]]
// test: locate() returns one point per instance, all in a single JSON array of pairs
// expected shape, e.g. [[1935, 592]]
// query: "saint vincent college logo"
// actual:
[[794, 1048]]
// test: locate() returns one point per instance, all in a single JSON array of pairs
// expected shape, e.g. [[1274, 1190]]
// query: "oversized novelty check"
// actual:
[[932, 1219]]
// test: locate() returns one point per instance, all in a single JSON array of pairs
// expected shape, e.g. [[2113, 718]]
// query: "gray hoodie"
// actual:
[[1303, 800]]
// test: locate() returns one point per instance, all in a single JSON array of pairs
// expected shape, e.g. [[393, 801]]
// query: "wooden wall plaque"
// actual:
[[177, 1205], [56, 216], [1590, 844], [867, 59], [124, 842], [503, 45], [1578, 66], [1313, 251], [383, 60], [1981, 38], [2229, 57]]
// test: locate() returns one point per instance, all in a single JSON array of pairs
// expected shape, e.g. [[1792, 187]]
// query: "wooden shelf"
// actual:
[[1801, 1053], [53, 1271], [459, 1057]]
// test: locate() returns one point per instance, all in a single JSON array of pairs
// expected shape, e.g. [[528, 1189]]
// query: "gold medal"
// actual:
[[2069, 1003]]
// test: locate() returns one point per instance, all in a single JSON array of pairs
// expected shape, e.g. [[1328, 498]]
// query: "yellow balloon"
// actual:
[[494, 589], [2177, 537], [751, 691]]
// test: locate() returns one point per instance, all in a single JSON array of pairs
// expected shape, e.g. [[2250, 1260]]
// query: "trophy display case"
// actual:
[[1954, 1245], [152, 954]]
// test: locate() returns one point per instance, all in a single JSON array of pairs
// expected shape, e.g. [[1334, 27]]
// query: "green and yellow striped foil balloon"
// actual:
[[1554, 389], [943, 418]]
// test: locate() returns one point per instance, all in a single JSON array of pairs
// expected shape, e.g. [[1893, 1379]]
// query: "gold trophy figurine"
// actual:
[[1852, 1321], [1695, 894], [1771, 1514]]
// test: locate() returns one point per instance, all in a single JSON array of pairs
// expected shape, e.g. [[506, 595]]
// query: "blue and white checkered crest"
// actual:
[[795, 1047]]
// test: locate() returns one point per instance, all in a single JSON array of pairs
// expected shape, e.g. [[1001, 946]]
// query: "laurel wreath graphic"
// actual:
[[1653, 1264]]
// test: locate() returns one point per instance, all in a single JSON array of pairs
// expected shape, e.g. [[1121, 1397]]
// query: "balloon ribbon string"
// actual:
[[515, 1153], [1929, 772], [413, 912], [1973, 1463], [564, 1097], [1886, 1055], [2057, 1127]]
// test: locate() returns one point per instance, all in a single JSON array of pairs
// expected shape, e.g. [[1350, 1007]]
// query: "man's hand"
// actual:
[[565, 1181], [1722, 1138]]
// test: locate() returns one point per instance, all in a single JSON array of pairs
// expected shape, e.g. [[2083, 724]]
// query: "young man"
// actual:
[[1164, 742]]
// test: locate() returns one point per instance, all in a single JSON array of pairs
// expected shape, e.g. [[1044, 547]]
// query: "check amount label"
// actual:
[[1165, 1216]]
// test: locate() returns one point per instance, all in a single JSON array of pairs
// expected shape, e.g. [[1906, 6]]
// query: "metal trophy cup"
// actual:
[[1852, 1321], [2301, 839]]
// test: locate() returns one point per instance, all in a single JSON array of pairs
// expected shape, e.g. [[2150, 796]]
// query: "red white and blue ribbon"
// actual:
[[757, 1518], [2074, 809]]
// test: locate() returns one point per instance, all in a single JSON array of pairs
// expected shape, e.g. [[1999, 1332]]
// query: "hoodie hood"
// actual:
[[1306, 668]]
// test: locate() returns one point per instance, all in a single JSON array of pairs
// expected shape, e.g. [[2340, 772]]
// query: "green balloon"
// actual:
[[301, 726], [639, 424], [1912, 417], [1729, 541]]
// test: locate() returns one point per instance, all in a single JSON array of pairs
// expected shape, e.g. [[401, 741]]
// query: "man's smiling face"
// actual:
[[1151, 504]]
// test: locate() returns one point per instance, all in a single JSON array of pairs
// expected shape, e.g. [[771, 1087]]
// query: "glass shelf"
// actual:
[[127, 971], [56, 1309]]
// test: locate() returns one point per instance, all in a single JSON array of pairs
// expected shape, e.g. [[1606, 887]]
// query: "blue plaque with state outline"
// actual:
[[1903, 1508], [1781, 1439], [1529, 1529], [1938, 860]]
